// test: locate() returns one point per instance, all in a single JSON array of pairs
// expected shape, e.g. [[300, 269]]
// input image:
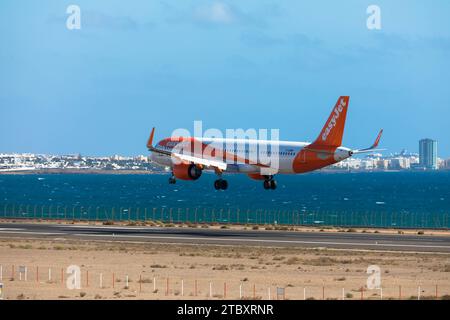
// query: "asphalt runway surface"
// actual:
[[200, 236]]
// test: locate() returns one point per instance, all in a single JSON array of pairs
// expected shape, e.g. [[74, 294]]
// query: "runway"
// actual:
[[337, 240]]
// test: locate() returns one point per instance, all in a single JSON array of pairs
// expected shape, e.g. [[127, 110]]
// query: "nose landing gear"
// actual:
[[220, 184]]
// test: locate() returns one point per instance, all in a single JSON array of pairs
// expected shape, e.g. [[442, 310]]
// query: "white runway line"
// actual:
[[33, 232], [269, 241], [109, 227]]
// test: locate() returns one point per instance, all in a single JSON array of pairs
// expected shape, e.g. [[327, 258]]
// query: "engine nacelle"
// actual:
[[187, 171]]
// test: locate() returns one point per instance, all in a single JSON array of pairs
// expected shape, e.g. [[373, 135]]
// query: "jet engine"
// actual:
[[187, 171]]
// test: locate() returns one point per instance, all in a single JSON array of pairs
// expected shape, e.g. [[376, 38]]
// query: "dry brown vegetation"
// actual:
[[262, 267]]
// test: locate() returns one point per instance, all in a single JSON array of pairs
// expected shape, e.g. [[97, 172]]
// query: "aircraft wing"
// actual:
[[197, 160]]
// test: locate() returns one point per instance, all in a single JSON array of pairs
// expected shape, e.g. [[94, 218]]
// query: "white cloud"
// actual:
[[217, 12]]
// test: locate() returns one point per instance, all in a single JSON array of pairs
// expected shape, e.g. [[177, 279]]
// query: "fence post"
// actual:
[[1, 272], [304, 293], [240, 291], [167, 287], [126, 282], [154, 284], [101, 280], [182, 287], [224, 290], [436, 291], [195, 288], [87, 278], [343, 294], [62, 276], [268, 293], [140, 283], [113, 280], [49, 274], [400, 292], [210, 289], [418, 293]]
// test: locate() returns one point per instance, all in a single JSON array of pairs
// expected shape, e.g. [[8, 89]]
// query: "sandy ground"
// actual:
[[213, 272]]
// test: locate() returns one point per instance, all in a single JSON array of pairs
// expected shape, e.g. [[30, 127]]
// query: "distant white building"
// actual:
[[399, 163]]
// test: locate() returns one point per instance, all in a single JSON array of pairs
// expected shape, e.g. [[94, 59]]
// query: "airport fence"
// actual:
[[94, 283], [204, 215]]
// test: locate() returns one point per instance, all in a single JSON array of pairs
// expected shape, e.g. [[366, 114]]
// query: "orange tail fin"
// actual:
[[332, 132]]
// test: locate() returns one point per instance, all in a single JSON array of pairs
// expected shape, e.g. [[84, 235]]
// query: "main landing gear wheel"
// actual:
[[172, 180], [270, 184], [221, 184]]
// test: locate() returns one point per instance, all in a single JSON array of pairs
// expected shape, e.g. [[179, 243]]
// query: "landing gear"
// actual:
[[269, 183], [172, 180], [221, 184]]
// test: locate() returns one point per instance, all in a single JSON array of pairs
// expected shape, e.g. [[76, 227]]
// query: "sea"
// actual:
[[367, 199]]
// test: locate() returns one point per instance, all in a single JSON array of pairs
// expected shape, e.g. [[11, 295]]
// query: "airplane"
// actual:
[[187, 156]]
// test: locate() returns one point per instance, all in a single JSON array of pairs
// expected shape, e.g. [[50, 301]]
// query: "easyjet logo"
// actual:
[[332, 123]]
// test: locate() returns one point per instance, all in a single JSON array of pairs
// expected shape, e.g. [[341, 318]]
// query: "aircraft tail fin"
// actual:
[[333, 130]]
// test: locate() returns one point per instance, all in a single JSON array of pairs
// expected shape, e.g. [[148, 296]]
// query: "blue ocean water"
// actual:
[[405, 199]]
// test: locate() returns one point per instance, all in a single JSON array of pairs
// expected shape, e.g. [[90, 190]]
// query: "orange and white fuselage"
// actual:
[[259, 159], [249, 156]]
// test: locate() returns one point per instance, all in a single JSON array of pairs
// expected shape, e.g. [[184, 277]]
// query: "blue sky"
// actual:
[[231, 64]]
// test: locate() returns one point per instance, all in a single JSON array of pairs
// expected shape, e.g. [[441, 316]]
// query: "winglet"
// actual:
[[150, 139], [373, 147], [377, 140]]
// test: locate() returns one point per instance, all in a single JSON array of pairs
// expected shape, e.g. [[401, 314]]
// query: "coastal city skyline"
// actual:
[[426, 159]]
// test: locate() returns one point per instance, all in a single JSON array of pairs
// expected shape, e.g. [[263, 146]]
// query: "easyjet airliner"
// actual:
[[189, 156]]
